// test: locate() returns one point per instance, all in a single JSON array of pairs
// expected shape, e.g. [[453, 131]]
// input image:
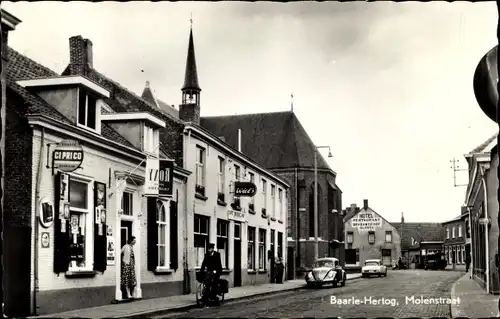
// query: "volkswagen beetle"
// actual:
[[373, 267], [326, 271]]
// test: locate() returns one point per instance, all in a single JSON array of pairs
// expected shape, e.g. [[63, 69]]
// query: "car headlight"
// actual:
[[309, 276], [330, 274]]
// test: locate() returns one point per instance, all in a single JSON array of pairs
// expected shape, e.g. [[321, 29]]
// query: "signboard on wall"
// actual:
[[236, 216], [159, 177], [366, 221], [68, 156]]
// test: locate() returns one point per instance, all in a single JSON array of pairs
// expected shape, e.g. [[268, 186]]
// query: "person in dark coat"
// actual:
[[279, 270], [212, 264], [467, 262]]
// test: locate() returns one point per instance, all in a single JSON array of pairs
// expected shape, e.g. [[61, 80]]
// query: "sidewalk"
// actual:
[[474, 301], [147, 307]]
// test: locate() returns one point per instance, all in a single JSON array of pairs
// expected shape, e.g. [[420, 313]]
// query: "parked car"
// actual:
[[373, 267], [326, 271], [435, 261]]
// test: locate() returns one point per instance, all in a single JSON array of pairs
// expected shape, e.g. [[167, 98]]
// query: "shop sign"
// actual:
[[236, 215], [366, 221], [159, 177], [45, 240], [67, 156], [244, 189], [46, 215]]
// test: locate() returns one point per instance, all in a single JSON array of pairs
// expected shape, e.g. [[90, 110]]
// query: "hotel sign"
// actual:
[[366, 221], [159, 177], [236, 216], [244, 189], [67, 156]]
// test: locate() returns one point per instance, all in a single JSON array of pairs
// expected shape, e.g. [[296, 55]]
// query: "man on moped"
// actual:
[[212, 266]]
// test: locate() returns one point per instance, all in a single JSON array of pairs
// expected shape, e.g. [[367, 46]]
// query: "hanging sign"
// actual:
[[110, 254], [366, 221], [46, 213], [244, 189], [159, 178], [67, 156]]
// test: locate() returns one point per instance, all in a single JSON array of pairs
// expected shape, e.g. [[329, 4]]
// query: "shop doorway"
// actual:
[[290, 269], [126, 233], [237, 254]]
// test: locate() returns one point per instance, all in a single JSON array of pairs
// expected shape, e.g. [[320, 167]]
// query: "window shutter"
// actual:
[[61, 237], [174, 252], [152, 235], [100, 240]]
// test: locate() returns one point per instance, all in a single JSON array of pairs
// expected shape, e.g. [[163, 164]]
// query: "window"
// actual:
[[221, 175], [87, 110], [151, 140], [459, 231], [463, 254], [263, 186], [450, 257], [222, 241], [280, 203], [371, 238], [388, 236], [446, 253], [273, 242], [81, 225], [280, 244], [350, 237], [200, 166], [237, 231], [447, 233], [201, 227], [273, 200], [251, 248], [237, 173], [163, 220], [453, 232], [252, 180], [128, 203], [262, 249]]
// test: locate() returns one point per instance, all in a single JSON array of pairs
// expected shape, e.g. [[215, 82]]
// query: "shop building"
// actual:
[[75, 254], [418, 240], [456, 244], [481, 200], [369, 236]]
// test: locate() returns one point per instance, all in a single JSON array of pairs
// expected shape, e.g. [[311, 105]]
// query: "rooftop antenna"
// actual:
[[456, 168], [291, 101]]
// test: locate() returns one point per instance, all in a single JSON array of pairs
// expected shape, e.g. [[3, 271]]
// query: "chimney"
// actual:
[[353, 206], [80, 55], [365, 203], [239, 140]]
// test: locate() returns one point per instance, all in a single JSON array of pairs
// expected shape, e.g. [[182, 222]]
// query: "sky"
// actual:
[[388, 86]]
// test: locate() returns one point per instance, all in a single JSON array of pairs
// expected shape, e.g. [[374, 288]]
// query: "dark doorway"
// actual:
[[126, 233], [289, 263], [350, 256], [237, 254], [273, 256]]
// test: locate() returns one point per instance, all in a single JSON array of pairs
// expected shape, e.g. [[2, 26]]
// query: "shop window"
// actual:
[[251, 248], [128, 203], [222, 242], [201, 237], [371, 237], [350, 237], [388, 236], [81, 225], [162, 222], [262, 249], [87, 110]]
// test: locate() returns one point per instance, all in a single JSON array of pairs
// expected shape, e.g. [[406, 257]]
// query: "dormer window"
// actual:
[[87, 110], [151, 140]]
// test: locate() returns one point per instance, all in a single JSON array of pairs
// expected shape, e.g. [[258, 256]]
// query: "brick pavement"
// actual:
[[474, 301], [177, 303]]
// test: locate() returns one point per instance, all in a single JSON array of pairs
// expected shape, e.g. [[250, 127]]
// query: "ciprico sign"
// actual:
[[67, 156]]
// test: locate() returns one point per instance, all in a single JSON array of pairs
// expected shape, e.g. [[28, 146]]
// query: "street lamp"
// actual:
[[316, 239]]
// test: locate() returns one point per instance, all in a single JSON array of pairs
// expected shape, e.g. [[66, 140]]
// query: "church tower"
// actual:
[[189, 110]]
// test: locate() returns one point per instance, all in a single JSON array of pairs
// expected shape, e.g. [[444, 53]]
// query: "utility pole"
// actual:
[[456, 168]]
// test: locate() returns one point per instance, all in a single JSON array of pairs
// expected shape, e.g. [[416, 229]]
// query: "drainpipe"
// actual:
[[486, 231], [187, 282], [37, 216]]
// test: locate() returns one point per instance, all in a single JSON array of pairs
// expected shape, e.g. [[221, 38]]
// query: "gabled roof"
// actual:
[[20, 67], [486, 146], [420, 232], [148, 96], [461, 217], [275, 140]]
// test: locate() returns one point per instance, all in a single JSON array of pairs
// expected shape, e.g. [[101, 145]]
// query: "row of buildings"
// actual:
[[90, 164]]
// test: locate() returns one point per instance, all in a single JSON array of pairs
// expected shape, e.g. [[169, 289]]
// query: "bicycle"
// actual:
[[204, 280]]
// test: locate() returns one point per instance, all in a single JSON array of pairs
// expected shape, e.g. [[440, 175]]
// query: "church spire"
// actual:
[[191, 88]]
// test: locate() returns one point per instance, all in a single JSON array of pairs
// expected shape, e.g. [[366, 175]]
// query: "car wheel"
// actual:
[[334, 283], [385, 274], [344, 280]]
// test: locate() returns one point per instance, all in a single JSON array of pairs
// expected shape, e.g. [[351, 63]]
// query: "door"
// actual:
[[386, 257], [289, 263], [126, 233], [237, 255], [273, 255]]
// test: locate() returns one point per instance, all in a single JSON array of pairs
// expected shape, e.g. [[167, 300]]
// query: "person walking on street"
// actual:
[[128, 278], [212, 264], [279, 270], [467, 263]]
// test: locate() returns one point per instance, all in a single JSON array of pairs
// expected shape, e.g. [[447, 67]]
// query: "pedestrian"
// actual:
[[467, 262], [212, 264], [128, 278], [279, 270], [400, 263]]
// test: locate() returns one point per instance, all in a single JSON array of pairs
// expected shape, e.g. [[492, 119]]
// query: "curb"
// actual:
[[456, 312], [194, 305]]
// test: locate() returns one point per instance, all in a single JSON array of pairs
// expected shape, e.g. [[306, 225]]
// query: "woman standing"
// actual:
[[279, 270], [128, 280]]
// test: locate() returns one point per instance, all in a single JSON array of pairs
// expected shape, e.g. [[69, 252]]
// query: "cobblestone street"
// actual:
[[391, 290]]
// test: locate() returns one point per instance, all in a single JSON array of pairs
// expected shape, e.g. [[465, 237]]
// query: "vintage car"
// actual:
[[435, 261], [326, 271], [373, 267]]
